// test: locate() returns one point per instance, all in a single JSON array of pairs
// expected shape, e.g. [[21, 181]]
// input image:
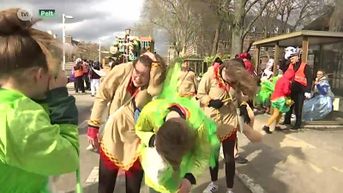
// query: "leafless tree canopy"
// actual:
[[212, 26]]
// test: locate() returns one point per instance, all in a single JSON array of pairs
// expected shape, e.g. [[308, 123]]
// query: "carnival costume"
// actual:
[[281, 92], [119, 142], [187, 84], [36, 140], [158, 174], [320, 105]]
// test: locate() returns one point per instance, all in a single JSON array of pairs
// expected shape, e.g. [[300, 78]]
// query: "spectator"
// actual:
[[85, 67], [301, 88], [95, 78], [78, 74], [320, 105]]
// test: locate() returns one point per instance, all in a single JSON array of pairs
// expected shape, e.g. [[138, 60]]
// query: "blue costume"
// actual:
[[320, 105]]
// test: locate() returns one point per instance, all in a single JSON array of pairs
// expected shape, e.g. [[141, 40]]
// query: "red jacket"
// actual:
[[283, 85], [249, 66]]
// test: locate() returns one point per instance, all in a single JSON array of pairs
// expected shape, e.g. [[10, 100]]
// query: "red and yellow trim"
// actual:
[[112, 162], [184, 110], [219, 79], [232, 136]]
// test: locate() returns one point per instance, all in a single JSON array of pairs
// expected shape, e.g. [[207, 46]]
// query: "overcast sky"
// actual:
[[93, 19]]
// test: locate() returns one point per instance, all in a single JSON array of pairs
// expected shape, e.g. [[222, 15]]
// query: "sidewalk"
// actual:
[[308, 161]]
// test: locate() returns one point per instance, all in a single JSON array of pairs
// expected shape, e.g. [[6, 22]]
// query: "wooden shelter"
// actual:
[[313, 44], [320, 50]]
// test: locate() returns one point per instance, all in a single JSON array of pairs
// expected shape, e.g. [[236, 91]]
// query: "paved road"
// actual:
[[89, 163], [309, 161]]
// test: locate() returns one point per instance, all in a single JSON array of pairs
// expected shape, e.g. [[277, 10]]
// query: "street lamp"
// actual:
[[127, 34], [99, 50], [64, 17]]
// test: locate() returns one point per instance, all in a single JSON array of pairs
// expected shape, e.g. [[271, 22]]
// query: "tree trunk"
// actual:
[[237, 40], [336, 21], [216, 38], [238, 28]]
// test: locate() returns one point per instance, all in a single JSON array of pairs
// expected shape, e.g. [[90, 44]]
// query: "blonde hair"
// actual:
[[23, 47]]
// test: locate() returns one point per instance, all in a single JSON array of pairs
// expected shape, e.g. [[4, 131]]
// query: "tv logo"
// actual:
[[47, 12], [24, 15]]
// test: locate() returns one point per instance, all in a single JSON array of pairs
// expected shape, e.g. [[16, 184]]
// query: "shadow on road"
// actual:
[[267, 161]]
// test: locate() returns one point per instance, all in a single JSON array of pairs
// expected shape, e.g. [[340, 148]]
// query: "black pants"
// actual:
[[87, 81], [107, 179], [79, 84], [298, 98], [228, 150]]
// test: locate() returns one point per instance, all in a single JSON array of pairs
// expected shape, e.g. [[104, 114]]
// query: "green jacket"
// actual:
[[36, 142], [194, 162]]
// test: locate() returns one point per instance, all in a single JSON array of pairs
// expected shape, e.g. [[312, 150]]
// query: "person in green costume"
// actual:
[[178, 141], [38, 120]]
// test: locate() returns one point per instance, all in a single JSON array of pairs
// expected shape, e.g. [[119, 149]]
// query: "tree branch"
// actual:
[[256, 17], [302, 15], [251, 4]]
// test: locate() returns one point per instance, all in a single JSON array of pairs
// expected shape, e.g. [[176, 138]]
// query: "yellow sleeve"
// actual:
[[144, 128]]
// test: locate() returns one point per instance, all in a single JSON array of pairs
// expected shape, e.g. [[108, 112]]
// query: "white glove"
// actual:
[[308, 95]]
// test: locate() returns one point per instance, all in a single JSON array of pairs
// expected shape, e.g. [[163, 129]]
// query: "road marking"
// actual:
[[254, 154], [295, 160], [250, 183], [83, 124], [291, 141], [315, 167], [337, 169], [93, 176]]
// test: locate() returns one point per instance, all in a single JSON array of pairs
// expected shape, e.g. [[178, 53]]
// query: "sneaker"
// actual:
[[211, 188], [266, 129], [241, 160], [91, 148], [295, 128]]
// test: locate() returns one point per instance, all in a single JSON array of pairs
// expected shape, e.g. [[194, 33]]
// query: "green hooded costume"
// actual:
[[162, 178], [36, 141]]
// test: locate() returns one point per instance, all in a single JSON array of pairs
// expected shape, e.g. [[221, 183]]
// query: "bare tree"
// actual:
[[242, 8], [177, 17], [294, 14], [219, 8], [336, 21]]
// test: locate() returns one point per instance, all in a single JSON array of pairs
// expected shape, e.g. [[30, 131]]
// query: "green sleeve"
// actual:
[[36, 145], [144, 128], [60, 106]]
